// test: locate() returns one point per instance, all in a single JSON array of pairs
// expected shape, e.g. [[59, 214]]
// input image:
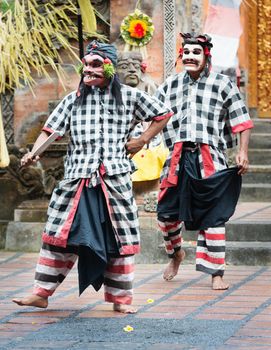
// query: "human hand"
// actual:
[[133, 146], [242, 162], [28, 159]]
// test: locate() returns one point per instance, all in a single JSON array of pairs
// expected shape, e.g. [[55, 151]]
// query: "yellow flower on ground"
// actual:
[[128, 328], [150, 301]]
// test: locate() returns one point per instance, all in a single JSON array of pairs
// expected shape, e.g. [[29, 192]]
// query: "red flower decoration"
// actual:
[[207, 51], [143, 67]]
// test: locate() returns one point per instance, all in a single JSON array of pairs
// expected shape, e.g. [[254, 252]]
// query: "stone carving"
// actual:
[[33, 181], [196, 16], [131, 72], [7, 101], [103, 16], [29, 179], [103, 7], [169, 37], [150, 201], [52, 176]]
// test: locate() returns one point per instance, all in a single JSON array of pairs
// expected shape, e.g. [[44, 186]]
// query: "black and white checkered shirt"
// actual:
[[209, 110], [99, 129]]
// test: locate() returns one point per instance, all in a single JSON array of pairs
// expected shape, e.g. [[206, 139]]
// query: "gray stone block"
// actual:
[[259, 156], [260, 174], [248, 253], [255, 193], [261, 126], [260, 140], [33, 215], [249, 231], [24, 236]]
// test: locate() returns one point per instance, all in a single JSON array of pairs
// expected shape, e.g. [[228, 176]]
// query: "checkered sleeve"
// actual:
[[239, 118], [160, 93], [148, 108], [59, 119], [164, 94]]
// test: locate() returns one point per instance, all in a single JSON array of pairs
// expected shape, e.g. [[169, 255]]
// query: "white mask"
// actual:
[[193, 58]]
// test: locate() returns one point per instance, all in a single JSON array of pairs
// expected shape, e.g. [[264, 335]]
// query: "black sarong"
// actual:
[[200, 203], [92, 232]]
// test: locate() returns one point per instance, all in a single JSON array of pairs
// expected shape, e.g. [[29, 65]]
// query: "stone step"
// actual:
[[255, 192], [248, 253], [261, 126], [238, 229], [241, 231], [31, 211], [237, 253], [260, 140], [259, 156], [258, 174], [248, 237]]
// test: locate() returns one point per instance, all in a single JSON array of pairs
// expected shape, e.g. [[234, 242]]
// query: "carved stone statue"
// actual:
[[131, 71], [103, 7]]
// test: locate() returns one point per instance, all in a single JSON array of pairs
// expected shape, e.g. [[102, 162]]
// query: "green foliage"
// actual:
[[79, 68], [31, 34], [6, 5]]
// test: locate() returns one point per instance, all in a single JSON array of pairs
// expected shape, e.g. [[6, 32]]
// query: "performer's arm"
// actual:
[[134, 145], [28, 158], [242, 155]]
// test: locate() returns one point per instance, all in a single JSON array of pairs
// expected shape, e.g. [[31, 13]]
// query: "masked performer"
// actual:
[[92, 213], [198, 190]]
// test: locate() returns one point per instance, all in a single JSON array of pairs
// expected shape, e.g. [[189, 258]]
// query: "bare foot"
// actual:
[[218, 283], [125, 309], [32, 300], [173, 266]]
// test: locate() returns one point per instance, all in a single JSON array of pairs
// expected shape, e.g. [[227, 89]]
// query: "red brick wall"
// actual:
[[30, 109]]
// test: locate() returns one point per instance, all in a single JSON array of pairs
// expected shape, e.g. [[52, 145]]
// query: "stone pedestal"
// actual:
[[24, 233], [31, 211]]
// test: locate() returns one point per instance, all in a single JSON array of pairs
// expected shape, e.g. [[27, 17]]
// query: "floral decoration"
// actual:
[[137, 29], [109, 69], [128, 329]]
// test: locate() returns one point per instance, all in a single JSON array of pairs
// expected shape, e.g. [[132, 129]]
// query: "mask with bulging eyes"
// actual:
[[93, 71]]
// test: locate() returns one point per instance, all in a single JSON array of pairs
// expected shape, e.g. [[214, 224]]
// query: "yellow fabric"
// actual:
[[150, 162], [4, 156]]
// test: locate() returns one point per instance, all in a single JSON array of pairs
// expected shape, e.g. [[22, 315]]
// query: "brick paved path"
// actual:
[[185, 312]]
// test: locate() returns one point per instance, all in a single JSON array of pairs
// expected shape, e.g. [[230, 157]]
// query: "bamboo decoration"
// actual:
[[4, 156], [88, 16], [31, 34]]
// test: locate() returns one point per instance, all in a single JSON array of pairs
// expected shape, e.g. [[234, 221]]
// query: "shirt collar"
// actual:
[[102, 90], [190, 80]]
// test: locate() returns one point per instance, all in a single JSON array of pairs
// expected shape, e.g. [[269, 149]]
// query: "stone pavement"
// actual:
[[182, 314]]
